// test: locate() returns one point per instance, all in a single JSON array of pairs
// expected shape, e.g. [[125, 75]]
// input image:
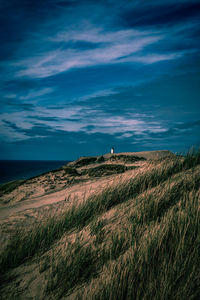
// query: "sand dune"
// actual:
[[137, 201]]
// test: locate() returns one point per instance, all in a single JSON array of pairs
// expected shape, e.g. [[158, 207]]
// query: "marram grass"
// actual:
[[150, 252]]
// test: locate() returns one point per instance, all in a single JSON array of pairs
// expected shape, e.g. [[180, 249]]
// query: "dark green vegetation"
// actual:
[[100, 159], [10, 186], [144, 239], [85, 161], [106, 169], [126, 158], [101, 169], [71, 171]]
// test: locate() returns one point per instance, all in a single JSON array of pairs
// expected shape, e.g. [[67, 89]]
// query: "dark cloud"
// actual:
[[81, 45], [17, 106], [35, 118], [55, 107], [20, 85], [66, 3], [179, 131], [160, 14], [20, 18], [56, 119], [188, 125], [13, 126], [37, 130]]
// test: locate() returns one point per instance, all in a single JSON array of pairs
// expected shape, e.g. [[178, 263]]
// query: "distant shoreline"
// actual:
[[11, 170]]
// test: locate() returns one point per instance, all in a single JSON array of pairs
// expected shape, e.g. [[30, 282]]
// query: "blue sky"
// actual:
[[78, 77]]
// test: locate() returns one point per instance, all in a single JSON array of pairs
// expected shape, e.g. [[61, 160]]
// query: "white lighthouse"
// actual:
[[112, 150]]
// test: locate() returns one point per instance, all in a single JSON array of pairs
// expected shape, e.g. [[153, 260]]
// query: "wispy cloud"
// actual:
[[10, 133], [88, 33], [152, 58], [80, 119], [111, 46], [36, 93], [134, 128]]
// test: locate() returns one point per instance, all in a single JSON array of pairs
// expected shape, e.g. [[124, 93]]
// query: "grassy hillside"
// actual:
[[137, 240], [9, 186]]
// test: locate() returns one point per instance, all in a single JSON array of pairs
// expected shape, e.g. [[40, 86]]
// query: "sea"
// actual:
[[24, 169]]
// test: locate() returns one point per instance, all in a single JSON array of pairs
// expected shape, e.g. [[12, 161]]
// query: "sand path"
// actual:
[[34, 197], [77, 192], [35, 202]]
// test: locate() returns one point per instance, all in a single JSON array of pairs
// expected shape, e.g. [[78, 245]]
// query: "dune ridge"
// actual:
[[124, 234]]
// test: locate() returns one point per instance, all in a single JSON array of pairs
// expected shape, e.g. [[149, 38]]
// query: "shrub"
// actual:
[[106, 169], [71, 171], [85, 161], [127, 158], [10, 186], [100, 159]]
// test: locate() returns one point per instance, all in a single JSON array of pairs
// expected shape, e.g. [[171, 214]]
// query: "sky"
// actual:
[[78, 77]]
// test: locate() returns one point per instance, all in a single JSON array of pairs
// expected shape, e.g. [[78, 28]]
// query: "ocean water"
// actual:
[[25, 169]]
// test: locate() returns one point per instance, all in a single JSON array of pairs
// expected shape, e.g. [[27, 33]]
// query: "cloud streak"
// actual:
[[33, 94], [77, 118], [111, 46]]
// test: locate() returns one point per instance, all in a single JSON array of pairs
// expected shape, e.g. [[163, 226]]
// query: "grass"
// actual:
[[77, 265], [144, 254], [85, 161], [126, 158], [162, 264], [143, 224], [96, 229], [100, 159], [70, 171], [107, 169], [10, 186], [27, 244], [96, 226]]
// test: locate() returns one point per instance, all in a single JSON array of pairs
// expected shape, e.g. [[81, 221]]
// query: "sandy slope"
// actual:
[[71, 194], [28, 280], [53, 192]]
